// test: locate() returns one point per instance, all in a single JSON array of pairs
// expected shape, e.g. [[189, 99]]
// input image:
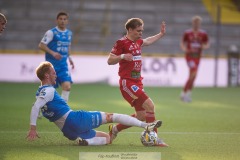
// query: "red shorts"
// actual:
[[193, 63], [133, 92]]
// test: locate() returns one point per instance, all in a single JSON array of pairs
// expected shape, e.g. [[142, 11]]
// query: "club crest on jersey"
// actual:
[[134, 88], [131, 48]]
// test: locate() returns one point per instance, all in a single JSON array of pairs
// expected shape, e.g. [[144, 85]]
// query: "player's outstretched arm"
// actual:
[[71, 62], [32, 133], [183, 46], [70, 58], [152, 39]]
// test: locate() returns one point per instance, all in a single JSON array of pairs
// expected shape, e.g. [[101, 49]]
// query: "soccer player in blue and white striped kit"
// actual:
[[75, 125], [56, 44]]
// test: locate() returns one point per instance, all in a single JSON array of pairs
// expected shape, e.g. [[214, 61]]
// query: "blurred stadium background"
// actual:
[[98, 24]]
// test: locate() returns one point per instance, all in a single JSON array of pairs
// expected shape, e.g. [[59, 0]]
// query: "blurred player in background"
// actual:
[[57, 45], [3, 22], [75, 125], [127, 52], [193, 42]]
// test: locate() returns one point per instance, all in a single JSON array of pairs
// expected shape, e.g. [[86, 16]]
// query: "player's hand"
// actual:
[[128, 57], [32, 135], [71, 63], [57, 56], [163, 28], [205, 46]]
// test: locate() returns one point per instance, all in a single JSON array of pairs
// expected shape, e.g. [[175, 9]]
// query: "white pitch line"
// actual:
[[179, 133], [189, 133]]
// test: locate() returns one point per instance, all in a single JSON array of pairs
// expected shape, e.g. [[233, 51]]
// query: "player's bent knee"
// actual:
[[66, 86], [109, 117], [151, 108]]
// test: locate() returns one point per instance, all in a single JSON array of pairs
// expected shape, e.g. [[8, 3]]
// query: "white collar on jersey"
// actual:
[[60, 29]]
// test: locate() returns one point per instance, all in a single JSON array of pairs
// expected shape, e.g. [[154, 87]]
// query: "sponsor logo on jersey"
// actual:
[[134, 88], [48, 114], [137, 58], [195, 45], [58, 49], [59, 43]]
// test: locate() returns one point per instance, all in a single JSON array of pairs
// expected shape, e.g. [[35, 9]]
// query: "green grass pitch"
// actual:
[[206, 129]]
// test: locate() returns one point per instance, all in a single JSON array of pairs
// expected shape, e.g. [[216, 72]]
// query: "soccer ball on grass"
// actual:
[[149, 138]]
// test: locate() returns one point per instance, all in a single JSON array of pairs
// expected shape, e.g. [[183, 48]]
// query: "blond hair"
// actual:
[[133, 23], [2, 17], [42, 69], [197, 18]]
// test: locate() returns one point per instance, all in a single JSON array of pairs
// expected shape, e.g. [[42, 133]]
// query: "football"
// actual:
[[149, 138]]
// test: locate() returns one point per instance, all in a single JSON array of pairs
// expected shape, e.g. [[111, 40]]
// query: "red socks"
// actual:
[[121, 127], [150, 117]]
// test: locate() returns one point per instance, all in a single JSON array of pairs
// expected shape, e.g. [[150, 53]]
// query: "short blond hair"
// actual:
[[197, 18], [2, 17], [43, 68], [133, 23]]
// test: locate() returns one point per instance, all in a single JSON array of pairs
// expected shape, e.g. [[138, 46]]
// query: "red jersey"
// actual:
[[194, 42], [129, 69]]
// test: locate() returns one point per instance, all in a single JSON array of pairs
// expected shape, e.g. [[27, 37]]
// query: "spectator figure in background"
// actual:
[[127, 52], [194, 40], [3, 22], [57, 45]]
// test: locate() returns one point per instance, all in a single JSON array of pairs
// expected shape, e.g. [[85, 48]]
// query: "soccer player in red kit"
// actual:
[[127, 52], [193, 42]]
